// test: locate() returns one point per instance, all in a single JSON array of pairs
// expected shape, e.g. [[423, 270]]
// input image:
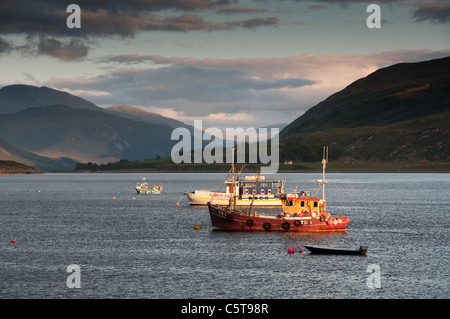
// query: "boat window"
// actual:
[[289, 203], [302, 203], [316, 204]]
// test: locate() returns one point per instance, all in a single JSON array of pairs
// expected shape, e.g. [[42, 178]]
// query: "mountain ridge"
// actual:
[[83, 135], [392, 94], [18, 97]]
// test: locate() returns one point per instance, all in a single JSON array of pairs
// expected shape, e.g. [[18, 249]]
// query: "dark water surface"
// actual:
[[131, 246]]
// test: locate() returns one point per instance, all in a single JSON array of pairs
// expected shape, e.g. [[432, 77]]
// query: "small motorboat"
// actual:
[[336, 251], [144, 189]]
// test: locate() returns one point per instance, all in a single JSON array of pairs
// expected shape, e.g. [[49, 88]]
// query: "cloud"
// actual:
[[64, 50], [318, 6], [116, 18], [274, 89], [5, 46], [186, 87], [435, 11], [72, 50], [240, 10], [46, 20]]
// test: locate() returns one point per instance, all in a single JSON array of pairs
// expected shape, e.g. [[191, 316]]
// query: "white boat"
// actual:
[[266, 192]]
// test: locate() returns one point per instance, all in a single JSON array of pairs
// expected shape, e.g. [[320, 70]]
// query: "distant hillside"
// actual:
[[11, 167], [51, 129], [393, 94], [137, 114], [11, 153], [83, 135], [398, 113], [15, 98]]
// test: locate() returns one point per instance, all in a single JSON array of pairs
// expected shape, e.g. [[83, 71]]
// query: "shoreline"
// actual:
[[307, 168]]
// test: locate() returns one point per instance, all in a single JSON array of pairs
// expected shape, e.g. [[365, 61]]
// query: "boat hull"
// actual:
[[223, 220], [336, 251], [147, 192], [202, 198]]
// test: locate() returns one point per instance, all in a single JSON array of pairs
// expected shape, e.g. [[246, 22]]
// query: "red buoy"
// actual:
[[13, 241], [300, 251], [291, 250]]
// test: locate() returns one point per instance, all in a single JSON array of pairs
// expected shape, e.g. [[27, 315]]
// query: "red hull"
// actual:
[[224, 220]]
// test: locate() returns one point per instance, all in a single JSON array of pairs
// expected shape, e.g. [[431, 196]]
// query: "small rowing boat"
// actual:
[[336, 251]]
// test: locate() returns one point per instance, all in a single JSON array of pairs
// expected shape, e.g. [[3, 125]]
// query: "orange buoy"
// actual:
[[347, 220], [197, 227], [178, 204]]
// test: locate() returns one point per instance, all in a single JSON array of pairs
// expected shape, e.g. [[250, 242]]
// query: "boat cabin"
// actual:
[[263, 187], [303, 205]]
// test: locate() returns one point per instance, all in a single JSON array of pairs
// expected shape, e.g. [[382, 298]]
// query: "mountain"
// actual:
[[401, 92], [11, 167], [137, 114], [11, 153], [83, 135], [18, 97], [51, 129], [397, 113]]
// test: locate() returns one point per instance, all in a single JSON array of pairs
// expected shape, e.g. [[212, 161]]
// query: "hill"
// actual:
[[11, 167], [11, 153], [18, 97], [83, 135], [52, 129], [398, 113], [137, 114]]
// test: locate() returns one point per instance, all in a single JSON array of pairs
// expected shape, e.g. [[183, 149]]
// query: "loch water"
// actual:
[[134, 246]]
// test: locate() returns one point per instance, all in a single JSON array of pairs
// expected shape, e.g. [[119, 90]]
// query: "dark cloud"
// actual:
[[68, 50], [188, 85], [318, 6], [72, 50], [114, 17], [46, 20], [435, 11], [240, 10], [5, 46]]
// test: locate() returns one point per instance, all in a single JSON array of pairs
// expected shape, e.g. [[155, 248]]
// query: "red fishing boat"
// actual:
[[301, 212]]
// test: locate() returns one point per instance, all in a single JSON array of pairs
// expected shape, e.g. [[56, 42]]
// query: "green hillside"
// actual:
[[397, 114], [393, 94]]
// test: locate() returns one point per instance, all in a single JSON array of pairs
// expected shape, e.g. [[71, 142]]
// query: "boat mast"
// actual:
[[324, 163], [233, 190], [253, 198]]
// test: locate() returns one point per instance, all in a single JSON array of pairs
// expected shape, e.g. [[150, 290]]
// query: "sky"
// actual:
[[229, 63]]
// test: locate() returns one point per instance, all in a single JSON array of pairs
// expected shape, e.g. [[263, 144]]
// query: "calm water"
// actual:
[[130, 246]]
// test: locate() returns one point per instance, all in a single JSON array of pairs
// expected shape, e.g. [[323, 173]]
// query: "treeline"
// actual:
[[119, 165]]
